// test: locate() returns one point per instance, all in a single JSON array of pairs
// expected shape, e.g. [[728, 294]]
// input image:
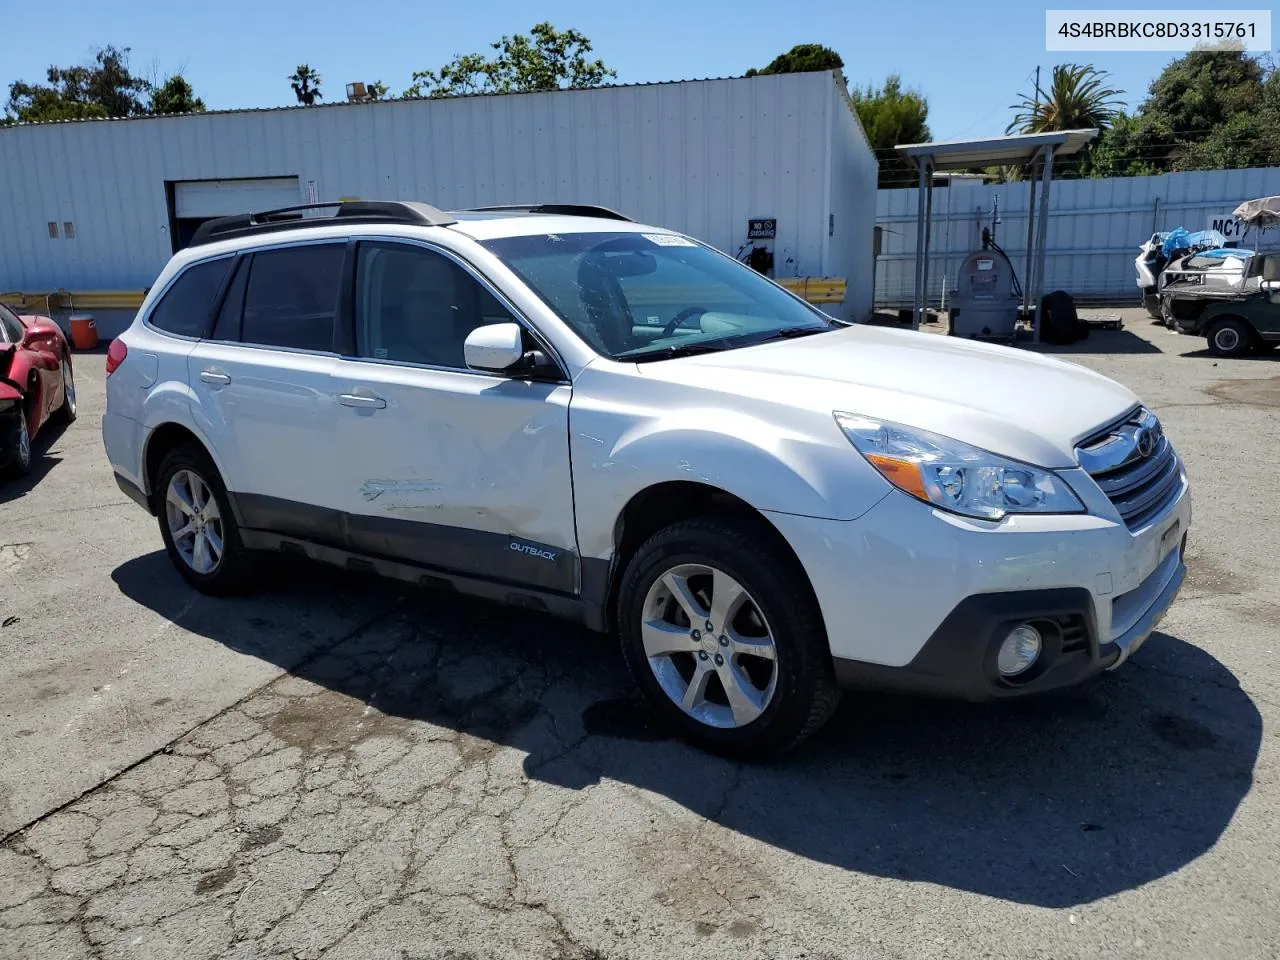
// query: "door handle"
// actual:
[[361, 401], [214, 377]]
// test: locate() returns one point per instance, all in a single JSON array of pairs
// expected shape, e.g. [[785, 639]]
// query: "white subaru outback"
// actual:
[[557, 408]]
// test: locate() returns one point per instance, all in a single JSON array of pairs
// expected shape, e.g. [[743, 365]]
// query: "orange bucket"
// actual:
[[84, 332]]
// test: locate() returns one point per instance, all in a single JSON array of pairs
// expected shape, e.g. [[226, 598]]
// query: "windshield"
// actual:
[[637, 296]]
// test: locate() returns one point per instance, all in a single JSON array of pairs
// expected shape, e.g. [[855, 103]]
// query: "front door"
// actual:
[[443, 466], [261, 389]]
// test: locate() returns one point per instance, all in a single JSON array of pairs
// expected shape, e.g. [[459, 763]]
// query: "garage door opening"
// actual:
[[193, 202]]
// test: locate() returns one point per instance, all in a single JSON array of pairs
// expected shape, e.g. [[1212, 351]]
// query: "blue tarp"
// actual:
[[1229, 252], [1182, 239]]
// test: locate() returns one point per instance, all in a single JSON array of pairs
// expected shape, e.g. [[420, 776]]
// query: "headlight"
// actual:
[[954, 475]]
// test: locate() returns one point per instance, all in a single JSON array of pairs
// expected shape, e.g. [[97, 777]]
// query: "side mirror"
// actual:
[[494, 348]]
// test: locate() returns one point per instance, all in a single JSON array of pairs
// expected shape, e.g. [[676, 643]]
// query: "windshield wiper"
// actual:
[[790, 333], [677, 350]]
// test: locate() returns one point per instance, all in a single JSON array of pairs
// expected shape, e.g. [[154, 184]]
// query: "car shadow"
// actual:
[[1099, 341], [42, 462], [1053, 801], [1205, 353]]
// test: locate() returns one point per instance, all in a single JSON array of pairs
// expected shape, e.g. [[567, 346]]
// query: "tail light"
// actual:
[[115, 355]]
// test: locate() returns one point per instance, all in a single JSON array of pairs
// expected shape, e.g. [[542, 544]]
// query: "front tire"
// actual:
[[722, 633], [199, 530], [20, 462], [1230, 338]]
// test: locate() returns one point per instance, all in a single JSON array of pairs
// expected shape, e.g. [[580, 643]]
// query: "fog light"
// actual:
[[1019, 651]]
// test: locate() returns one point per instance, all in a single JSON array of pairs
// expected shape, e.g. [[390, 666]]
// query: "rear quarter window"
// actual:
[[187, 304]]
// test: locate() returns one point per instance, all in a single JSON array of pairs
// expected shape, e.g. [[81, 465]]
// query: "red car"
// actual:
[[35, 384]]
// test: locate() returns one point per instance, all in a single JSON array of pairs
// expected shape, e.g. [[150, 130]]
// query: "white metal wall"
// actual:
[[1095, 227], [850, 228], [701, 156]]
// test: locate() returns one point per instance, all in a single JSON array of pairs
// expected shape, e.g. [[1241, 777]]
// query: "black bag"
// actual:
[[1059, 322]]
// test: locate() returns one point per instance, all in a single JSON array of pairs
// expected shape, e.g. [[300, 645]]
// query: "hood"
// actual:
[[1007, 401]]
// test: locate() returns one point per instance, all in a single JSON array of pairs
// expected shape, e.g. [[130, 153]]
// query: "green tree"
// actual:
[[1207, 110], [1078, 98], [306, 85], [30, 103], [175, 96], [891, 115], [543, 59], [1135, 145], [1203, 89], [802, 58], [104, 87]]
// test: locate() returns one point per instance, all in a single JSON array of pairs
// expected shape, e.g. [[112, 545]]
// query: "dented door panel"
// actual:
[[461, 471]]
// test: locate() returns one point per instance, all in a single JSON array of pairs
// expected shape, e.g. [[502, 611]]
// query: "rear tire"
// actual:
[[667, 600], [68, 392], [1230, 338], [199, 530]]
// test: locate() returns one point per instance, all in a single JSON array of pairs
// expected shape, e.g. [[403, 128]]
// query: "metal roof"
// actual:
[[387, 101], [1013, 149]]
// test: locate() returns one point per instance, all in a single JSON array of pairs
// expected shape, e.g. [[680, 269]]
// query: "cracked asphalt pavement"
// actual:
[[339, 767]]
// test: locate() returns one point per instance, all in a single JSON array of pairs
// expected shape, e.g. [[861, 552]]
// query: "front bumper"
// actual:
[[916, 598], [959, 659]]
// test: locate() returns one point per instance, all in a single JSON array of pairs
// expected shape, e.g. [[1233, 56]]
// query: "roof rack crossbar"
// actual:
[[285, 218], [562, 209]]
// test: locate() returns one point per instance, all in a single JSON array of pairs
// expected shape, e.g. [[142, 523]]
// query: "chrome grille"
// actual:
[[1135, 465]]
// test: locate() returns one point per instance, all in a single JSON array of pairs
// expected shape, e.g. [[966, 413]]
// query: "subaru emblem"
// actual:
[[1146, 440]]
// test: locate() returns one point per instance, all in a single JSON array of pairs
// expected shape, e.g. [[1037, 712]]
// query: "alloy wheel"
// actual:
[[1226, 339], [195, 523], [709, 645]]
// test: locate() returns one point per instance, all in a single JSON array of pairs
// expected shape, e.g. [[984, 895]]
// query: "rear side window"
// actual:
[[291, 297], [186, 305]]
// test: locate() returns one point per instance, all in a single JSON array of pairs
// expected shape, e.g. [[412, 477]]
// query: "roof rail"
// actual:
[[562, 209], [288, 218]]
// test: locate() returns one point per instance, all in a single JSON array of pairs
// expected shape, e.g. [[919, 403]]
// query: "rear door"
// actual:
[[261, 387], [442, 465]]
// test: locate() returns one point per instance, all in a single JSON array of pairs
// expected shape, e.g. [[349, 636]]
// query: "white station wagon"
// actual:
[[557, 408]]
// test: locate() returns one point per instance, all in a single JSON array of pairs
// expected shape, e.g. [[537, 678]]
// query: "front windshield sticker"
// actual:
[[668, 240]]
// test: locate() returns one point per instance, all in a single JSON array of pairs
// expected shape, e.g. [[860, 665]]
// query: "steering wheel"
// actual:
[[687, 313]]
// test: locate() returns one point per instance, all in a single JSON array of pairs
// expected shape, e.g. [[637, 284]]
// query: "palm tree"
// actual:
[[1077, 99], [306, 85]]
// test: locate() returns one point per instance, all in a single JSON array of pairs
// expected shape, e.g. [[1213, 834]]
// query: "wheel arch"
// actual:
[[662, 504], [165, 437], [1210, 323]]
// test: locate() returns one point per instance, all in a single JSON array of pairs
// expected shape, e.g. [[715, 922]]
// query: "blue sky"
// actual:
[[970, 61]]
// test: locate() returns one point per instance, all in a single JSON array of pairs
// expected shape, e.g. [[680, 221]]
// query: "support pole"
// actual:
[[916, 314], [928, 241], [1031, 224], [1042, 233]]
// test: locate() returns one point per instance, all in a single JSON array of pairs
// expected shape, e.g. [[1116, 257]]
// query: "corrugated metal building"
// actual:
[[103, 204], [1095, 228]]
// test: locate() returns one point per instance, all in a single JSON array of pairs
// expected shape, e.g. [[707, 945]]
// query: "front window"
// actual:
[[11, 329], [637, 296]]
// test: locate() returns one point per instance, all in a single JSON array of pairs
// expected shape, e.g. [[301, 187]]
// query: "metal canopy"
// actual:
[[1023, 148], [1015, 148]]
